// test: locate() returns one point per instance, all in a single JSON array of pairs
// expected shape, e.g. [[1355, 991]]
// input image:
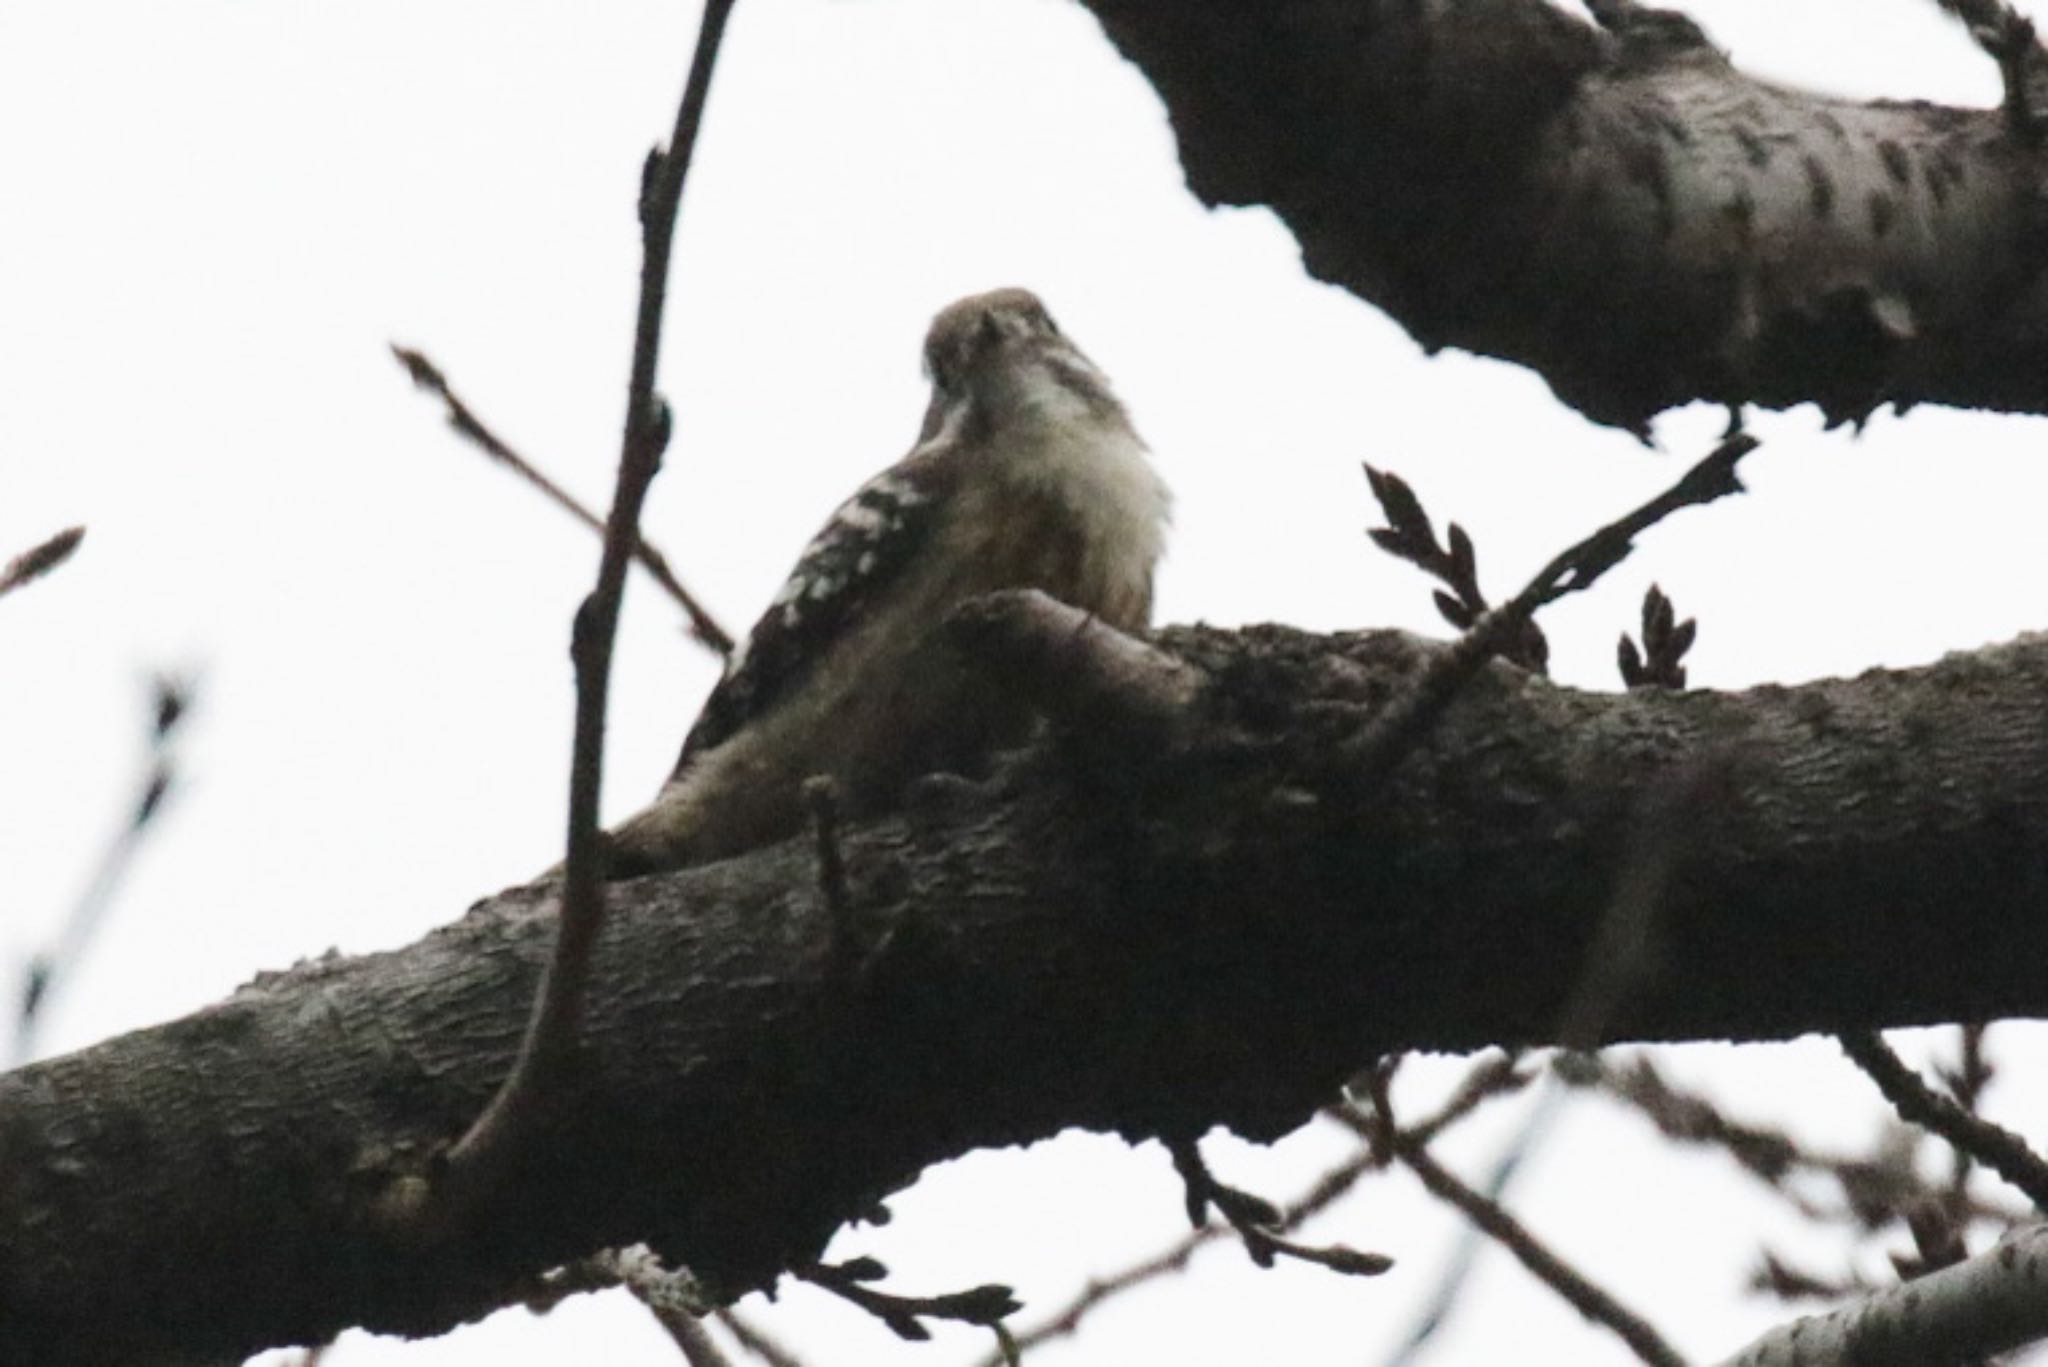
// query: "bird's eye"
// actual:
[[991, 327], [1051, 325]]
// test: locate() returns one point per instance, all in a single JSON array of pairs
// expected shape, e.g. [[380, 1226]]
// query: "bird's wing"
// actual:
[[863, 548]]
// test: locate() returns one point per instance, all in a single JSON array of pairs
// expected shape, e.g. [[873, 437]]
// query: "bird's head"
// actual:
[[999, 358]]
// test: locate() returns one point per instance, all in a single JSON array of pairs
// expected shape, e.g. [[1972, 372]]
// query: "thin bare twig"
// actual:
[[1493, 1077], [1579, 1291], [1443, 1299], [479, 1158], [1497, 1076], [1937, 1241], [985, 1305], [753, 1339], [1967, 1082], [1407, 717], [1777, 1277], [40, 560], [1067, 1319], [1996, 1147], [1258, 1222], [1409, 536], [170, 699], [425, 374], [1876, 1188], [1688, 1118]]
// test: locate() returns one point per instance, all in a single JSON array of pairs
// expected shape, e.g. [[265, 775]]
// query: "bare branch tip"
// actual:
[[418, 368], [40, 560]]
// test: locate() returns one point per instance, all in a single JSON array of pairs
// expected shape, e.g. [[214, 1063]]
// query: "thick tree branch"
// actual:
[[1624, 212], [1990, 1304], [1218, 929]]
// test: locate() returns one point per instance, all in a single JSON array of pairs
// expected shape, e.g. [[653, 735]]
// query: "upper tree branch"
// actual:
[[1625, 212], [1878, 856]]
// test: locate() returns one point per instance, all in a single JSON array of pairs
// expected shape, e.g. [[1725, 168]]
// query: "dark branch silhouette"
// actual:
[[1997, 1148], [38, 561], [1408, 717], [1574, 1286], [478, 1161], [703, 627]]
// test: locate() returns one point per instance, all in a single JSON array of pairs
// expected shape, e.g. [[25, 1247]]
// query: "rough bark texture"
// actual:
[[1626, 214], [1200, 919], [1212, 925]]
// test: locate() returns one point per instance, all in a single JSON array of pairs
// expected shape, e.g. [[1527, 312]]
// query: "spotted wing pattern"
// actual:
[[861, 551]]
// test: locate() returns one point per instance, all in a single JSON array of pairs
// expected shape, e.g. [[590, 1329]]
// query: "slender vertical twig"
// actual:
[[482, 1154], [1966, 1082]]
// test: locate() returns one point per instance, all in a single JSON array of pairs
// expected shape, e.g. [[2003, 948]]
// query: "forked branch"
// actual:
[[1409, 715]]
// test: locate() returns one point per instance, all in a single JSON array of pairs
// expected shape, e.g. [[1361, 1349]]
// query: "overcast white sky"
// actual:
[[216, 214]]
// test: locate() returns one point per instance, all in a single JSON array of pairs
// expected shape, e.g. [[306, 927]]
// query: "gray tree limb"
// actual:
[[1990, 1304], [1625, 213], [1149, 933]]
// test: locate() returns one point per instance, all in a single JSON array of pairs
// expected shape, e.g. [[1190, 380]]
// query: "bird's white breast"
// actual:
[[1063, 447]]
